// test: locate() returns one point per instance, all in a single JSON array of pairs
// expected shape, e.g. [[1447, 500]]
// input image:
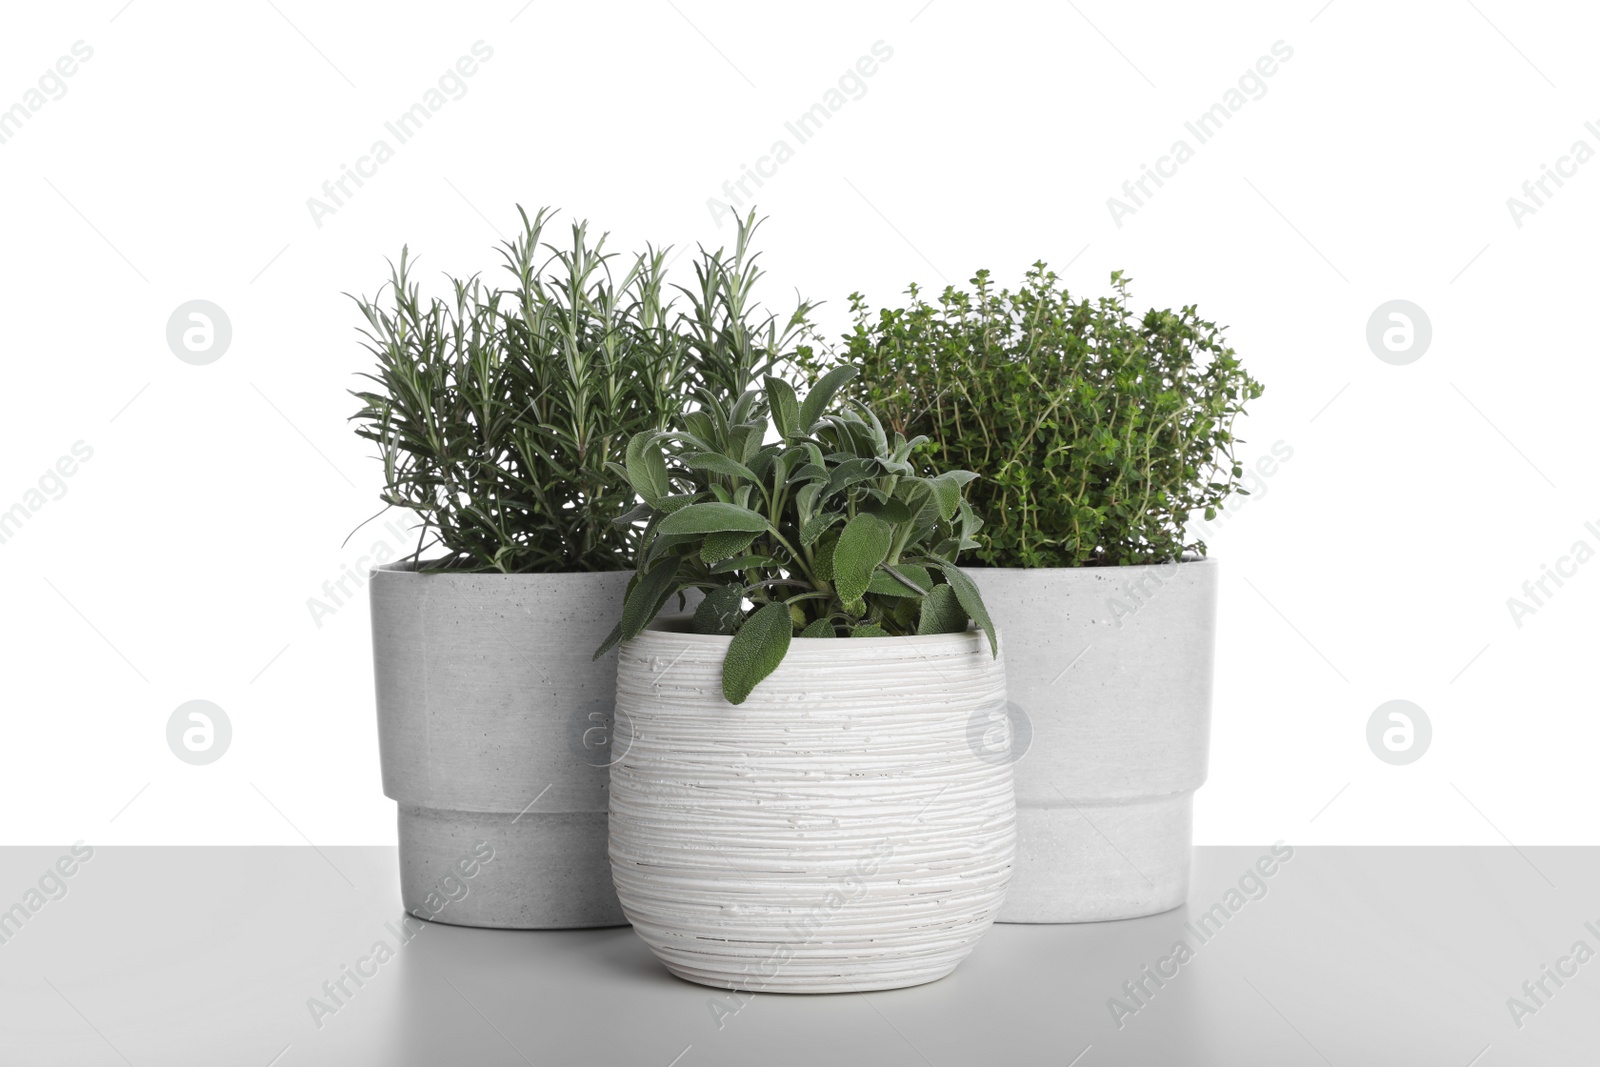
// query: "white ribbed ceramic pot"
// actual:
[[840, 830], [494, 731], [1109, 671]]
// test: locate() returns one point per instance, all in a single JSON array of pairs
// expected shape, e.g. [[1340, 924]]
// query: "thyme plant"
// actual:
[[1098, 431], [500, 413], [825, 532]]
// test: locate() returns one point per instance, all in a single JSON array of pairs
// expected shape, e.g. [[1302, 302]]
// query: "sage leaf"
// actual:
[[742, 563], [648, 596], [967, 593], [948, 495], [892, 511], [942, 613], [712, 516], [817, 525], [821, 395], [824, 558], [647, 468], [863, 545], [820, 628], [756, 650], [717, 463], [611, 639], [848, 473], [785, 408], [720, 546], [905, 579], [719, 612]]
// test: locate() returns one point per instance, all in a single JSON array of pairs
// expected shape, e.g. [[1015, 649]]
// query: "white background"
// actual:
[[1376, 565]]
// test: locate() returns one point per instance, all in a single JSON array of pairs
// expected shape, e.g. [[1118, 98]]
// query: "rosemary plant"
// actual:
[[500, 413]]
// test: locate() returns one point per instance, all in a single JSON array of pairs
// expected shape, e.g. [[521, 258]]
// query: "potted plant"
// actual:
[[1098, 433], [497, 414], [795, 806]]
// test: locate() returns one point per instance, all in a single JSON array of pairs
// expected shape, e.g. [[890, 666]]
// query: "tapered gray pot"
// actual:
[[494, 725], [1109, 671]]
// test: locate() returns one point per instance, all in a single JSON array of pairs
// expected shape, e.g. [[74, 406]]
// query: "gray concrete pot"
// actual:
[[1109, 668], [494, 729]]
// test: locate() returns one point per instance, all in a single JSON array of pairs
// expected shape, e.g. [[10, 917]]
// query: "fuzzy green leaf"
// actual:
[[720, 546], [712, 517], [892, 511], [611, 639], [781, 464], [811, 472], [742, 563], [762, 464], [972, 601], [919, 499], [638, 513], [662, 544], [942, 613], [863, 545], [745, 441], [648, 596], [948, 495], [719, 464], [805, 499], [719, 612], [756, 650], [868, 629], [823, 558], [820, 628], [850, 472], [700, 425], [785, 408], [822, 394], [906, 579], [747, 405], [676, 502], [817, 526], [647, 468]]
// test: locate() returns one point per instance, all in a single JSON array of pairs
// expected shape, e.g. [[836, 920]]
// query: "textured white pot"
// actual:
[[1109, 669], [494, 727], [838, 831]]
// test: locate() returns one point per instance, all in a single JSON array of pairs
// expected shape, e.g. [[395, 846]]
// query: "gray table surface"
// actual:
[[1359, 956]]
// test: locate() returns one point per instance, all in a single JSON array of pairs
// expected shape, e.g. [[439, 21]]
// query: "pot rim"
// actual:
[[676, 627], [1189, 561], [405, 569]]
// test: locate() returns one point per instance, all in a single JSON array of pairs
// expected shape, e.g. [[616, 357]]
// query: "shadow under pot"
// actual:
[[1109, 671], [841, 830], [494, 727]]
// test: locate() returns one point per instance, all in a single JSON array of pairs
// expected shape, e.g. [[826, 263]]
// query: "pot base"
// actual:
[[1092, 860], [533, 871], [847, 980]]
